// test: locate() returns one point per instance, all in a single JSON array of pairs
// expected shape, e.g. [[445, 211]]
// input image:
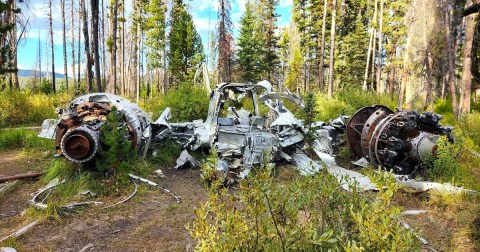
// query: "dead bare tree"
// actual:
[[94, 7], [64, 40], [332, 50], [112, 79], [87, 47], [50, 22], [72, 40]]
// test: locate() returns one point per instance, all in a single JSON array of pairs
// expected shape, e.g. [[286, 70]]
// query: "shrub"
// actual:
[[187, 102], [23, 108], [115, 154], [308, 213], [444, 166]]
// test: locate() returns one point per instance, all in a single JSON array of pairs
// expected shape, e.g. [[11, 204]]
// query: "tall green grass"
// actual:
[[23, 138]]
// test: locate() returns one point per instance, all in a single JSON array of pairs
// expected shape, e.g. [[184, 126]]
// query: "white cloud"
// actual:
[[285, 3], [201, 24]]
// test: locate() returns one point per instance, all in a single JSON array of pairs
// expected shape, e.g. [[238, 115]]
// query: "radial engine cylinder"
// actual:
[[398, 141]]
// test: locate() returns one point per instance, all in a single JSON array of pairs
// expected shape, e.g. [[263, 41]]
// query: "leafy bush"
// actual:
[[19, 108], [306, 214], [468, 128], [444, 166], [187, 103], [346, 103]]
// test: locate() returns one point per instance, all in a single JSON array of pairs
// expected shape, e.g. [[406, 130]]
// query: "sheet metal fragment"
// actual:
[[187, 161]]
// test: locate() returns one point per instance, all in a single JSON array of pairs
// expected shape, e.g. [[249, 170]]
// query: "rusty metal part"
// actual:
[[397, 141], [80, 144], [355, 127], [20, 176], [77, 132]]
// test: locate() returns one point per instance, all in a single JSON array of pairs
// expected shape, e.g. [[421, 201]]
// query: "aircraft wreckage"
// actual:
[[395, 141]]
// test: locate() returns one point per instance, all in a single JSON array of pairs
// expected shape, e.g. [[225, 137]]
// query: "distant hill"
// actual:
[[31, 73]]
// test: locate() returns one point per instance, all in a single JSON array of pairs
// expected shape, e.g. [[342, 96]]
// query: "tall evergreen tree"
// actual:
[[352, 60], [186, 49], [271, 40], [249, 48], [155, 26]]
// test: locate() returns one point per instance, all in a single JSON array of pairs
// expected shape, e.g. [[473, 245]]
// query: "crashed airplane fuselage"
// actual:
[[244, 122], [248, 124]]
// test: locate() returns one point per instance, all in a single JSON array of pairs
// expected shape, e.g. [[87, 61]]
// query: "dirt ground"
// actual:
[[153, 221]]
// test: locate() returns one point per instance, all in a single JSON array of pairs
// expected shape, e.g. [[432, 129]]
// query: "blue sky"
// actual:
[[204, 14]]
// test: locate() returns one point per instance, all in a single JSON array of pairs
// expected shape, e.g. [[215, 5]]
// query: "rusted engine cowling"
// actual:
[[77, 135], [397, 141]]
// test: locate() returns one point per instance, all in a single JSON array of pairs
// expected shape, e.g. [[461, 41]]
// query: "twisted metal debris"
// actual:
[[242, 137]]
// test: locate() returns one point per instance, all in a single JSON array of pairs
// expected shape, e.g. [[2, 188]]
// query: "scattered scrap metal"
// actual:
[[248, 123]]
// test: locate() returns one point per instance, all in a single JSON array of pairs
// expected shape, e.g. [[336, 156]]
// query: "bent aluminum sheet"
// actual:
[[49, 126], [186, 160], [348, 179]]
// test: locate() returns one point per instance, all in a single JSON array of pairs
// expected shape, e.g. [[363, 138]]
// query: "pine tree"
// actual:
[[249, 48], [271, 40], [155, 36], [351, 62], [186, 49]]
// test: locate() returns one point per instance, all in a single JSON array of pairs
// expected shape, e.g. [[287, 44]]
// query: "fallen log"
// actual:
[[20, 176]]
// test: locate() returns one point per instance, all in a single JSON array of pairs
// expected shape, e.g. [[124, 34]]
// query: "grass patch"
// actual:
[[23, 138]]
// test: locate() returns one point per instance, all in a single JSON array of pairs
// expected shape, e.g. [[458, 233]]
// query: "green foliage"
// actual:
[[165, 154], [45, 87], [305, 214], [353, 56], [250, 48], [22, 138], [444, 166], [347, 102], [187, 103], [468, 127], [23, 108], [209, 167], [186, 48], [308, 116], [295, 72], [155, 25], [115, 154]]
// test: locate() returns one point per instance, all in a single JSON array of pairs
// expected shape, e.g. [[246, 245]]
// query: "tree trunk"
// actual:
[[50, 22], [137, 87], [87, 47], [380, 86], [467, 63], [94, 5], [79, 45], [405, 75], [64, 37], [321, 56], [332, 50], [428, 91], [112, 83], [369, 53], [103, 45], [391, 82], [72, 40], [372, 74], [14, 45]]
